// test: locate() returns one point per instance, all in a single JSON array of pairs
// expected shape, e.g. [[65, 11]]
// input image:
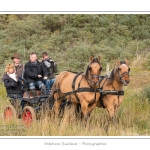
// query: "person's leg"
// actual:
[[41, 86], [32, 89], [47, 84], [51, 83]]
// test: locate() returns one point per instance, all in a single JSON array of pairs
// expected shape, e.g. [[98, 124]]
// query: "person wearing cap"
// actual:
[[19, 68], [35, 73], [51, 68], [11, 82]]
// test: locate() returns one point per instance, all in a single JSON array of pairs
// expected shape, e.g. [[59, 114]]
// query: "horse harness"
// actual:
[[110, 92], [90, 89], [79, 89]]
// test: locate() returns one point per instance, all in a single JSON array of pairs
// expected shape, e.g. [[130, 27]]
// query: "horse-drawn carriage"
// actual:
[[25, 106], [87, 90]]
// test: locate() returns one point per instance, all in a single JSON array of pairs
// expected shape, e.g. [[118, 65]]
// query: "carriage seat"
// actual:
[[14, 96]]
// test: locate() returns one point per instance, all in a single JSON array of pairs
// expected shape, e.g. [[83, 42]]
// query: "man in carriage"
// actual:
[[51, 67], [34, 74], [19, 68]]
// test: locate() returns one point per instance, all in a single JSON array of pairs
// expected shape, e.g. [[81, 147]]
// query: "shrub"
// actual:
[[146, 93]]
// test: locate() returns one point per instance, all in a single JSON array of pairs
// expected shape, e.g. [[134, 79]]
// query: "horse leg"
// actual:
[[84, 109], [89, 110], [91, 107], [79, 114], [112, 117], [72, 114], [111, 112], [56, 105]]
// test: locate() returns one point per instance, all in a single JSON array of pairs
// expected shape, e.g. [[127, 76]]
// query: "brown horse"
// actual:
[[78, 88], [112, 88]]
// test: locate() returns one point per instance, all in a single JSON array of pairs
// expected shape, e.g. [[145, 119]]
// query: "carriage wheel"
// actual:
[[9, 113], [28, 116]]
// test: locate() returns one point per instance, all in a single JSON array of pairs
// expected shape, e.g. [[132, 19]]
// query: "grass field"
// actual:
[[133, 118]]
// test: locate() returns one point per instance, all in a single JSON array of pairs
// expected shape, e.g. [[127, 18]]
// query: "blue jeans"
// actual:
[[49, 83], [35, 84]]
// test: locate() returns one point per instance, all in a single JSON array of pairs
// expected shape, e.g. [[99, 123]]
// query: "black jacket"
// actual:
[[12, 87], [32, 71], [52, 69]]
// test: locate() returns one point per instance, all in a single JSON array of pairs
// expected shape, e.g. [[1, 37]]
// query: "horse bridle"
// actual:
[[123, 74], [94, 75]]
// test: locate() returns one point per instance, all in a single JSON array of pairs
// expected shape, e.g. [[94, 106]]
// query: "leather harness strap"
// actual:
[[89, 89], [84, 89], [110, 92]]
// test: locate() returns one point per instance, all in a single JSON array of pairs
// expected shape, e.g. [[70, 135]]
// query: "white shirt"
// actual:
[[13, 76]]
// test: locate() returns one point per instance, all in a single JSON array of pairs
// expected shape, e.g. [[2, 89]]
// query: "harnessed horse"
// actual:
[[112, 88], [81, 88]]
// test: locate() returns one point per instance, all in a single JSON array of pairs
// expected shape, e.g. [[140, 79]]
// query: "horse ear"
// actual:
[[99, 58], [91, 58], [126, 61], [117, 61]]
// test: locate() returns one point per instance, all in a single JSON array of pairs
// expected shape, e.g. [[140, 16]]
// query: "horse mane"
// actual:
[[87, 69], [111, 76], [86, 73]]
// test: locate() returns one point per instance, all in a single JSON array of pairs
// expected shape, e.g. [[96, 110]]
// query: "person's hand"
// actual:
[[39, 76], [45, 78]]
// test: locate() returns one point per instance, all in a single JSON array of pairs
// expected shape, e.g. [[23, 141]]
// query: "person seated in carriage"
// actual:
[[35, 73], [51, 67], [19, 68], [12, 83]]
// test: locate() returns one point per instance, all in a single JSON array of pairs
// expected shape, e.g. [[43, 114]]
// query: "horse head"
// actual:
[[93, 71], [122, 72]]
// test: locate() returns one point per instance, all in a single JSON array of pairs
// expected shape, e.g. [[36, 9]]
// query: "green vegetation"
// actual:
[[70, 40]]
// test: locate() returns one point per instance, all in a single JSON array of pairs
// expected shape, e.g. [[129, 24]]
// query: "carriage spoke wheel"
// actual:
[[9, 113], [28, 116]]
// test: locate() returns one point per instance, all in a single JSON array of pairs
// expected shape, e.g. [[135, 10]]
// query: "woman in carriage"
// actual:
[[12, 83]]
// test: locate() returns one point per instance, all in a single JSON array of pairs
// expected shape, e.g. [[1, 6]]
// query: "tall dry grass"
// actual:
[[133, 118]]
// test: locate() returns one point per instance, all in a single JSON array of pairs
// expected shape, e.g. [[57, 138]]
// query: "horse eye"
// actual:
[[89, 68], [100, 68], [129, 69], [119, 69]]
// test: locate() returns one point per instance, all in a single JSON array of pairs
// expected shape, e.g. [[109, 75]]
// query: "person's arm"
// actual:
[[44, 70], [8, 83], [47, 64]]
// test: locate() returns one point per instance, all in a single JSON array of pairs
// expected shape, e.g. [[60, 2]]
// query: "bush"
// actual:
[[146, 93], [112, 36]]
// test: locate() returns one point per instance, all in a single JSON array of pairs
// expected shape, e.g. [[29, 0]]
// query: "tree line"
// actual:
[[70, 39]]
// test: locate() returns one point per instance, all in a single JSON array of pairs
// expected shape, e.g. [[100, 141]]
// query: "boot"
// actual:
[[43, 90], [33, 91]]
